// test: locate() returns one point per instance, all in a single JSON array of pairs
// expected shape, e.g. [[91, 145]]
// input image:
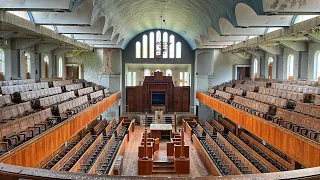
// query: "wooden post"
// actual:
[[175, 122], [145, 145], [146, 120], [182, 144]]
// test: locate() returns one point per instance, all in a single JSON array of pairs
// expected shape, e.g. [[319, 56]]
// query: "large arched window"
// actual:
[[60, 67], [144, 46], [138, 49], [168, 72], [317, 65], [178, 50], [165, 45], [270, 64], [158, 44], [171, 46], [151, 45], [46, 67], [290, 66], [255, 68], [2, 62], [147, 72], [158, 70], [27, 65]]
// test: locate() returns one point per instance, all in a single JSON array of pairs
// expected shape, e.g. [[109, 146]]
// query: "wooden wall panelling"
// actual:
[[177, 104], [34, 151], [295, 146], [185, 99]]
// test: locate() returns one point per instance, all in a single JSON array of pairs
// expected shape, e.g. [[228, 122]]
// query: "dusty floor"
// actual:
[[130, 163]]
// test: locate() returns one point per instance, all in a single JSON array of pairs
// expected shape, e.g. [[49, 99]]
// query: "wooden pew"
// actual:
[[223, 157], [208, 127], [254, 153], [110, 125], [243, 159], [268, 151], [187, 129], [217, 125], [86, 155], [121, 151], [100, 125], [100, 158], [62, 161], [130, 128], [231, 127]]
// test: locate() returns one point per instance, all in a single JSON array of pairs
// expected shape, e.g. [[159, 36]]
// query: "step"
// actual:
[[154, 171]]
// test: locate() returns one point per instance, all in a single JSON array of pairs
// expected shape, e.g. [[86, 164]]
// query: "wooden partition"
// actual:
[[217, 125], [65, 158], [297, 147], [99, 126], [254, 153], [86, 155], [131, 129], [111, 123], [34, 151], [121, 151], [101, 157]]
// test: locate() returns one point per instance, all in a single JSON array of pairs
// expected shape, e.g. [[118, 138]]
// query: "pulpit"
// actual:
[[161, 131]]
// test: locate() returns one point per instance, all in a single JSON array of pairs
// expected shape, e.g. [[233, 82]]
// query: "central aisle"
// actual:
[[130, 161]]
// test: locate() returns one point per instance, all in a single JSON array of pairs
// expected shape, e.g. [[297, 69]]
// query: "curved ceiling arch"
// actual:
[[96, 28], [228, 29], [214, 36]]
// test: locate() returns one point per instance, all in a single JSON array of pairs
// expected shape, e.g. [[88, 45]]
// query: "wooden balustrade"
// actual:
[[254, 153], [34, 151], [295, 146]]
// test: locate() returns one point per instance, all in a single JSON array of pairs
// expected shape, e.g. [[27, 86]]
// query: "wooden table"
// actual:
[[160, 131]]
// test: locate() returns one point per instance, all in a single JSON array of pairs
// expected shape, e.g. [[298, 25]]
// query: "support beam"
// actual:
[[24, 43], [7, 34], [314, 37], [243, 55], [37, 5], [61, 50], [295, 45], [255, 53], [273, 50], [44, 48]]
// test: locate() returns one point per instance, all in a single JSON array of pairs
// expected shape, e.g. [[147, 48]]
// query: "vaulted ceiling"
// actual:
[[205, 23]]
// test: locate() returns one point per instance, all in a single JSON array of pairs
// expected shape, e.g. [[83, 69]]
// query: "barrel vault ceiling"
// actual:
[[203, 23]]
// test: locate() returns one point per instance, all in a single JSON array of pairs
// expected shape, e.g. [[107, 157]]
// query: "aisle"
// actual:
[[130, 162]]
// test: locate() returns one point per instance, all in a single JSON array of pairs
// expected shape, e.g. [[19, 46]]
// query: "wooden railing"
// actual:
[[34, 151], [301, 149]]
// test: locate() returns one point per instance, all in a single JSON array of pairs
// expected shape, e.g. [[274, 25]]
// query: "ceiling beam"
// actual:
[[242, 55], [272, 49], [61, 51], [24, 43], [295, 45], [255, 53], [314, 37], [7, 34], [37, 5], [44, 48]]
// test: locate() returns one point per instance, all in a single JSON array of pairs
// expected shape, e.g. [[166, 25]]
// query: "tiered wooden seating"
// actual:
[[297, 88], [55, 99], [207, 127], [24, 88], [271, 154], [96, 96], [253, 160], [69, 108], [84, 91], [299, 123], [61, 83], [266, 80], [227, 124], [217, 125], [73, 87], [279, 102], [241, 162], [28, 96], [5, 101], [20, 130], [50, 79], [107, 92], [100, 127], [15, 112], [256, 83], [317, 100], [308, 109], [294, 96], [17, 82], [223, 96], [302, 83], [246, 87], [234, 91], [256, 108]]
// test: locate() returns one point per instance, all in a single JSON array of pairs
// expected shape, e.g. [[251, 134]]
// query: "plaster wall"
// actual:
[[296, 57], [313, 49], [303, 65]]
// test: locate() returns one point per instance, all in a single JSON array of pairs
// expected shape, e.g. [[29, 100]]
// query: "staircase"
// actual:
[[163, 167], [168, 120]]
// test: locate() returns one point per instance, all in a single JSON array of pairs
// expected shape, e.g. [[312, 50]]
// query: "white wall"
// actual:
[[313, 48]]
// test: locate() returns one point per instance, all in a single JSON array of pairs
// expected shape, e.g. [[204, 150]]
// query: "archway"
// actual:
[[270, 64], [27, 65], [46, 67]]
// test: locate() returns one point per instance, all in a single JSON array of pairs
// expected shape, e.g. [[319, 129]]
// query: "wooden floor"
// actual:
[[130, 163]]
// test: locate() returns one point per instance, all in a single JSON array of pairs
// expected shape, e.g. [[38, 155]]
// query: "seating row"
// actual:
[[107, 92], [52, 100], [234, 91], [246, 87], [21, 130], [308, 109], [24, 88], [84, 91], [266, 80], [17, 82], [69, 108], [61, 83], [224, 95], [294, 96], [238, 82], [256, 83], [5, 101], [96, 96], [299, 123], [31, 95], [279, 102], [317, 100], [302, 83], [15, 111], [296, 88], [256, 108], [50, 79], [73, 87]]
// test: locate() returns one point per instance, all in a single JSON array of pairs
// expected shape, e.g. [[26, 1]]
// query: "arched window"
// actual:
[[147, 72], [270, 64], [317, 65], [290, 66], [171, 46], [60, 67], [178, 50], [158, 70], [144, 46], [138, 49], [158, 44], [168, 72], [2, 62], [255, 68], [165, 45], [27, 65], [151, 44], [46, 66]]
